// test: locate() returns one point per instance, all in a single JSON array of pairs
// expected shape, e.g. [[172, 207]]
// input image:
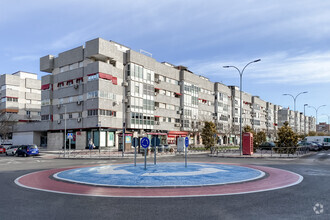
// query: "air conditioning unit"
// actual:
[[156, 93], [157, 80], [155, 107], [157, 123], [79, 102], [179, 112], [76, 86], [29, 116], [125, 84], [59, 121], [177, 125], [215, 117], [126, 100], [79, 119], [115, 103], [128, 93], [59, 106]]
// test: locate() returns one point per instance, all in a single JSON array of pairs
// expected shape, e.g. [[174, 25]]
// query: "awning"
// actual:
[[105, 76], [178, 93], [157, 133], [46, 86], [156, 116]]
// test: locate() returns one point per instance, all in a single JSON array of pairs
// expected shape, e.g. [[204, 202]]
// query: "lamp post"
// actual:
[[294, 102], [316, 110], [240, 97], [305, 119]]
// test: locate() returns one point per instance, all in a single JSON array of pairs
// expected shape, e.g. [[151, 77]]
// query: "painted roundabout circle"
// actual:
[[161, 180]]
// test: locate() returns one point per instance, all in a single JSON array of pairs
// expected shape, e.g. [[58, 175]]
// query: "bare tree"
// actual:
[[6, 125]]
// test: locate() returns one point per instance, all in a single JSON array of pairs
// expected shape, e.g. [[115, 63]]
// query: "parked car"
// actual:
[[11, 150], [27, 150], [2, 149], [267, 146], [319, 145], [310, 146]]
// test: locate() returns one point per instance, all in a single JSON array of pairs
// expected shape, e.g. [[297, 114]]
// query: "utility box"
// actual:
[[247, 143]]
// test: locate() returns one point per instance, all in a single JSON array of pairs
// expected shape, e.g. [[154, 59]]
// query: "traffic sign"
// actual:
[[70, 136], [186, 141], [155, 141], [145, 142], [135, 142]]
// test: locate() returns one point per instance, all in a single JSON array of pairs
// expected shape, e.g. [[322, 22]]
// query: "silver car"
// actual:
[[11, 150]]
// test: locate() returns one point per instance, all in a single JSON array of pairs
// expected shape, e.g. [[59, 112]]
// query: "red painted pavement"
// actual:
[[276, 179]]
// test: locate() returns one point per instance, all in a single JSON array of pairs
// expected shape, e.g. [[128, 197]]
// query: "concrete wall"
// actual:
[[81, 141], [54, 141]]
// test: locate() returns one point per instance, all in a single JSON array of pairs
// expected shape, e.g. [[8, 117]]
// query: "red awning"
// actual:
[[105, 76], [92, 74], [157, 88], [177, 133], [178, 93], [44, 87], [157, 133], [156, 116], [114, 80]]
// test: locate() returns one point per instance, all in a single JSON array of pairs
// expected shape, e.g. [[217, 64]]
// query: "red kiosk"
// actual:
[[247, 143]]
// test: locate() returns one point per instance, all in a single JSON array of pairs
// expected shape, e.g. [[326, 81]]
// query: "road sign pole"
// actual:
[[155, 143], [145, 158], [186, 157], [69, 147], [135, 156], [186, 143]]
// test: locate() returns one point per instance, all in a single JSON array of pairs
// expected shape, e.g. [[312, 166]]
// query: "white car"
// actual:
[[11, 150]]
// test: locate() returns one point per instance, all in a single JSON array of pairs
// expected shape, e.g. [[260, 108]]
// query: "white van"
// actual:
[[324, 140]]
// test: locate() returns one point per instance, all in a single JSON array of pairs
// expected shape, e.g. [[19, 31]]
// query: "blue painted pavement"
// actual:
[[160, 175]]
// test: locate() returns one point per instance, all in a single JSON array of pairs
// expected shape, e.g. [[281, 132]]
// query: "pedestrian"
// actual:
[[91, 144]]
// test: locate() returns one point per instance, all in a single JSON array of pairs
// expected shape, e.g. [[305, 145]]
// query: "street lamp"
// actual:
[[240, 97], [295, 115], [316, 110]]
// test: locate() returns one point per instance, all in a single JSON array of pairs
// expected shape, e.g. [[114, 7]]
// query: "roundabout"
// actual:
[[161, 180]]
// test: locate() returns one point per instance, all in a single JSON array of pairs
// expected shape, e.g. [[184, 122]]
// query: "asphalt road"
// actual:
[[296, 202]]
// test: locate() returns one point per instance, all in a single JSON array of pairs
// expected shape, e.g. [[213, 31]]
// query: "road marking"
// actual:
[[321, 154], [193, 173]]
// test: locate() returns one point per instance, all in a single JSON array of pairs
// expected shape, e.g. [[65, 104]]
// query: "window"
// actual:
[[169, 119], [61, 116], [81, 64], [70, 115], [93, 77], [45, 117], [28, 112], [79, 114]]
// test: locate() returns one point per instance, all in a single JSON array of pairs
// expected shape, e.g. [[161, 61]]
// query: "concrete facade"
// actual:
[[96, 90]]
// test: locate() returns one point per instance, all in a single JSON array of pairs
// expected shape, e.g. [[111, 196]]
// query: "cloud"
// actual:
[[279, 68]]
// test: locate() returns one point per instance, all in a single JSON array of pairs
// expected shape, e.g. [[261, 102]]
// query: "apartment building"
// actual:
[[20, 98], [323, 127], [21, 95], [102, 89], [223, 112]]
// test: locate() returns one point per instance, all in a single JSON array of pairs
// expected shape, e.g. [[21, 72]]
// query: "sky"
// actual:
[[292, 39]]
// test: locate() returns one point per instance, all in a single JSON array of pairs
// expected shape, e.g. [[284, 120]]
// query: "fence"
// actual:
[[288, 152]]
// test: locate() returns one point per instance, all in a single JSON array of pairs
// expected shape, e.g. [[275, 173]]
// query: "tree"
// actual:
[[208, 133], [6, 125], [312, 133], [286, 137], [258, 139]]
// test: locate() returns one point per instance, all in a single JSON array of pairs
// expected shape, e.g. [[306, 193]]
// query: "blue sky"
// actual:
[[290, 37]]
